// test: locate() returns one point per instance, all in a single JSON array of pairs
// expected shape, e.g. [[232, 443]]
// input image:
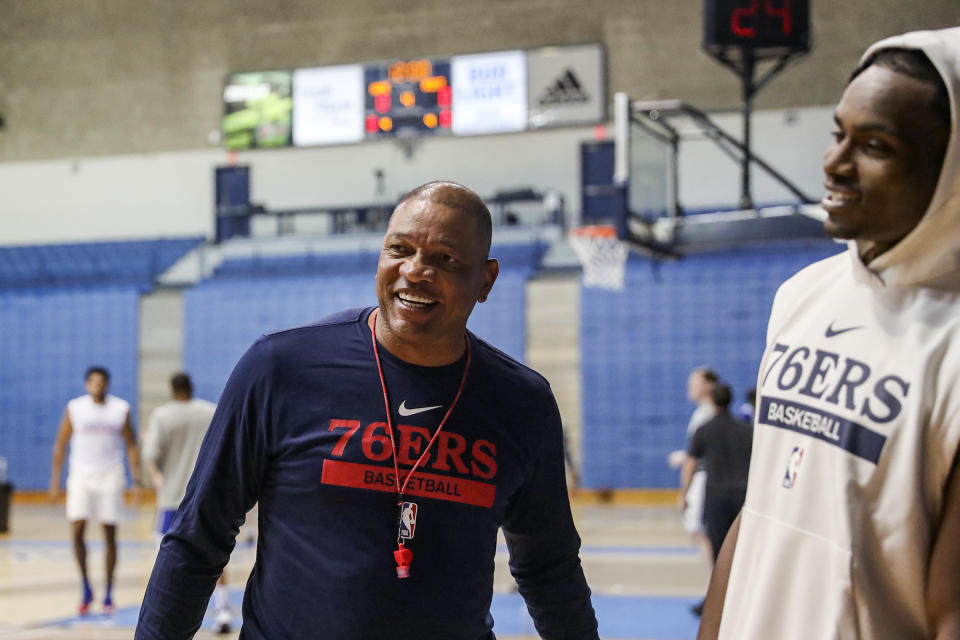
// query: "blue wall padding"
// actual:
[[639, 345], [134, 262], [49, 338], [225, 315]]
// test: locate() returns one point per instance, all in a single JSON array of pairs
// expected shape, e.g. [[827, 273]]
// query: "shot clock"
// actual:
[[741, 33], [763, 26]]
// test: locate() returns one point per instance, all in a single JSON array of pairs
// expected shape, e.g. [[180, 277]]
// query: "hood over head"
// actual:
[[930, 253]]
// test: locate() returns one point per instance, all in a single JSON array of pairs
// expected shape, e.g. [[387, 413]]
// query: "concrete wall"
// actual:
[[113, 77], [171, 193], [110, 104]]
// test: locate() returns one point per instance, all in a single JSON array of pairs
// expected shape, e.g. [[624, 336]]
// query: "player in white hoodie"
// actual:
[[851, 526]]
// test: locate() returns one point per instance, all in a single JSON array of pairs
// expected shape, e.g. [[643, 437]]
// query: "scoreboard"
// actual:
[[407, 97], [470, 94]]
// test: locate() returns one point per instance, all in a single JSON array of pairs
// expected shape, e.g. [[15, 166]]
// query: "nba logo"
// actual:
[[790, 477], [408, 520]]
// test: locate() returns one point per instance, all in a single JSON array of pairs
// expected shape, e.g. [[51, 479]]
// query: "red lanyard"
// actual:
[[402, 555]]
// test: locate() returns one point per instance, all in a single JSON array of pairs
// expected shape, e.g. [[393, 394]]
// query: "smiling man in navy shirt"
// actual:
[[386, 447]]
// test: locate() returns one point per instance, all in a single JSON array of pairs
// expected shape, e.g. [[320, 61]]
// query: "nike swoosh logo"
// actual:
[[402, 410], [831, 332]]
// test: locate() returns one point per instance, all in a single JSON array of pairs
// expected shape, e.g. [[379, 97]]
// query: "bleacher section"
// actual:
[[310, 264], [49, 338], [526, 255], [501, 320], [247, 297], [64, 308], [224, 316], [135, 263], [638, 346]]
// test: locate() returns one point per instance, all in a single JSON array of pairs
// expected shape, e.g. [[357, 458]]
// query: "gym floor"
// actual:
[[643, 570]]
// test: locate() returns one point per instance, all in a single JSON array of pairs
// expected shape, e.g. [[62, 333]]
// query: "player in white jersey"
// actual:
[[171, 446], [97, 426], [851, 525], [700, 385]]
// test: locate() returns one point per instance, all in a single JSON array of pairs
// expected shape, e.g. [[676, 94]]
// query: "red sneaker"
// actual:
[[84, 608]]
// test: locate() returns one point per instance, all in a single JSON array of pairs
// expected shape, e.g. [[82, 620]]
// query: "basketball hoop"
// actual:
[[601, 254]]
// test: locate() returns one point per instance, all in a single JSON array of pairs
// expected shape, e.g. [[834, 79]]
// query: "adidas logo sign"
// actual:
[[565, 90]]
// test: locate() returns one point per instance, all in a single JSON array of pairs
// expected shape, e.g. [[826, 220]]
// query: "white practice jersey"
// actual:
[[857, 429], [97, 443], [701, 416]]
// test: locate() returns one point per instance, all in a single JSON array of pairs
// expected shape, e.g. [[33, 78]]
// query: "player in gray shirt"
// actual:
[[175, 431]]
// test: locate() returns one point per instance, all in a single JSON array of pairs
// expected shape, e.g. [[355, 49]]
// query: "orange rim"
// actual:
[[595, 231]]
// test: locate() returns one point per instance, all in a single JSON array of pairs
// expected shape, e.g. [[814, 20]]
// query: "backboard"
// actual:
[[648, 138]]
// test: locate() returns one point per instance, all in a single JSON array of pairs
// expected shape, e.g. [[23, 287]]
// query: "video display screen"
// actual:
[[258, 110]]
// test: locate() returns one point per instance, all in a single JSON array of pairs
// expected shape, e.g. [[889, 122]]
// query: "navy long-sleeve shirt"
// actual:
[[301, 428]]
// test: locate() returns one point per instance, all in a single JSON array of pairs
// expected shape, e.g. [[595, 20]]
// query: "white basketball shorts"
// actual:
[[693, 514], [97, 496]]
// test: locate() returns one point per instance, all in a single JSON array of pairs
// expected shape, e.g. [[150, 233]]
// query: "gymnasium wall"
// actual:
[[636, 346], [639, 345], [225, 315], [111, 108], [49, 338], [171, 193], [93, 78], [110, 112]]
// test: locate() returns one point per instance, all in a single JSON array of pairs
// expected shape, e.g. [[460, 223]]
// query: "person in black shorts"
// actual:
[[722, 445]]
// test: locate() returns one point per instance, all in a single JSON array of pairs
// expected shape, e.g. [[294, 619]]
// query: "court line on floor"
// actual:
[[620, 617], [598, 550]]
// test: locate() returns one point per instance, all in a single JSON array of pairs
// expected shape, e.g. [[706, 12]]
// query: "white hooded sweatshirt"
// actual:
[[857, 427]]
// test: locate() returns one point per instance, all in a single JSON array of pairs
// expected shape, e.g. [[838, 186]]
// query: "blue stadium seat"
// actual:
[[136, 263], [225, 314]]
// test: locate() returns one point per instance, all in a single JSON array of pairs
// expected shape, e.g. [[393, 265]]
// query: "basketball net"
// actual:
[[601, 254]]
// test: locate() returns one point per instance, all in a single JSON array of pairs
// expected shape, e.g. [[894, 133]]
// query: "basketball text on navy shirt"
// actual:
[[451, 453]]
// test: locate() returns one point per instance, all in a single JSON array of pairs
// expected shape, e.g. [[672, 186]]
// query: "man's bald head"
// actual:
[[459, 198]]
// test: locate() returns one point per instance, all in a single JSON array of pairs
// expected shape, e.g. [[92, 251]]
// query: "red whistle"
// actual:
[[404, 557]]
